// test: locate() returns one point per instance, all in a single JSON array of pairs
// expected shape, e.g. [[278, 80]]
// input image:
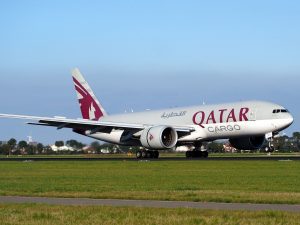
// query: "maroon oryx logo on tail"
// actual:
[[89, 107]]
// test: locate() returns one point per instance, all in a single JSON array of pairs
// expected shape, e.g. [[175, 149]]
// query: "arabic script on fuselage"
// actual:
[[167, 115]]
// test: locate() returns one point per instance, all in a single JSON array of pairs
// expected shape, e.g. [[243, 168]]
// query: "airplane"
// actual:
[[247, 124]]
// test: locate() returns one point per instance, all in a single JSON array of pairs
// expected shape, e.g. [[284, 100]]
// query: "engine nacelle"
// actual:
[[247, 143], [159, 137]]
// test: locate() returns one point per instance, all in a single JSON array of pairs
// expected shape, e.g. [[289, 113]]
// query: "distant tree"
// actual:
[[48, 150], [75, 144], [4, 149], [296, 135], [22, 144], [71, 142], [107, 146], [31, 150], [215, 147], [126, 149], [134, 149], [279, 143], [40, 148], [96, 146], [59, 143], [12, 143]]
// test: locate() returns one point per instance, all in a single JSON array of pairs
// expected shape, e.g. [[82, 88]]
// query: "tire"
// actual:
[[149, 154], [138, 154], [188, 154], [144, 154], [156, 154], [205, 154], [197, 154]]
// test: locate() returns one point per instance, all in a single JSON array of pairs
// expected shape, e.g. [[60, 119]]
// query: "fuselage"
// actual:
[[218, 121]]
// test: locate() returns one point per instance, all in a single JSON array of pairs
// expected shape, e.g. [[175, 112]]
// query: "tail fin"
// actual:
[[90, 107]]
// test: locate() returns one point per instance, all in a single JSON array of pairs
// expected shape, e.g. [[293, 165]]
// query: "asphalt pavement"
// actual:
[[150, 203]]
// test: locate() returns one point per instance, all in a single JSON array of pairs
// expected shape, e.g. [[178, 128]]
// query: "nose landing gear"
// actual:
[[270, 148]]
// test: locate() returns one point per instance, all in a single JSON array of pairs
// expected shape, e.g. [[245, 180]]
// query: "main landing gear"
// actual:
[[147, 154], [198, 152]]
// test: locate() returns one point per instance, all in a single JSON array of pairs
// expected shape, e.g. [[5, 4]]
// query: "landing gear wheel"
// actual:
[[269, 149], [196, 154], [144, 154], [138, 154], [155, 154], [149, 154], [188, 154]]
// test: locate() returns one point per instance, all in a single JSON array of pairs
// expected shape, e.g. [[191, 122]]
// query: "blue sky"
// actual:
[[145, 54]]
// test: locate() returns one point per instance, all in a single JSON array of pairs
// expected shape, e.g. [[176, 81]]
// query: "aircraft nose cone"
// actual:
[[290, 120], [284, 122]]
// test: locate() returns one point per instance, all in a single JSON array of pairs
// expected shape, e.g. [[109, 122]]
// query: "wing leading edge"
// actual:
[[83, 124]]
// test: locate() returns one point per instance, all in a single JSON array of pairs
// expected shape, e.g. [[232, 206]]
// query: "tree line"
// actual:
[[13, 147]]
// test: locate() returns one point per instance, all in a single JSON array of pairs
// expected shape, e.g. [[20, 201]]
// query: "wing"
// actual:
[[91, 125]]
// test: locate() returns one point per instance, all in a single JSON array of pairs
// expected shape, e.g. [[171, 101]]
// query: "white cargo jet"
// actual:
[[246, 124]]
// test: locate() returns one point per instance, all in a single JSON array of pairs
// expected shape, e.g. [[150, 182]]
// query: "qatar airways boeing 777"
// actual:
[[246, 124]]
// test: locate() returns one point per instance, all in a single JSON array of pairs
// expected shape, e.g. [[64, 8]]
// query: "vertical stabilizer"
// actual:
[[90, 107]]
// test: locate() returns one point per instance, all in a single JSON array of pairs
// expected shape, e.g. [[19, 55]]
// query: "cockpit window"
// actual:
[[280, 111]]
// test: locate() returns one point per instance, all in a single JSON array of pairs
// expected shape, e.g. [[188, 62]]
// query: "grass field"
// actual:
[[218, 181], [43, 214]]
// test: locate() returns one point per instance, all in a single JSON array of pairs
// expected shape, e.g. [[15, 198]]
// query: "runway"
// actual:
[[149, 203], [229, 158]]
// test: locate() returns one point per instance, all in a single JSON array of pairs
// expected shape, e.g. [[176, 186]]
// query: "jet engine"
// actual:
[[159, 137], [247, 143]]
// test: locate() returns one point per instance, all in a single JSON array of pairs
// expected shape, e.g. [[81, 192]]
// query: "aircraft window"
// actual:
[[280, 111]]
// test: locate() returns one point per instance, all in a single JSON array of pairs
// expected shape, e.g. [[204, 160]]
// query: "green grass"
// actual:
[[218, 181], [44, 214]]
